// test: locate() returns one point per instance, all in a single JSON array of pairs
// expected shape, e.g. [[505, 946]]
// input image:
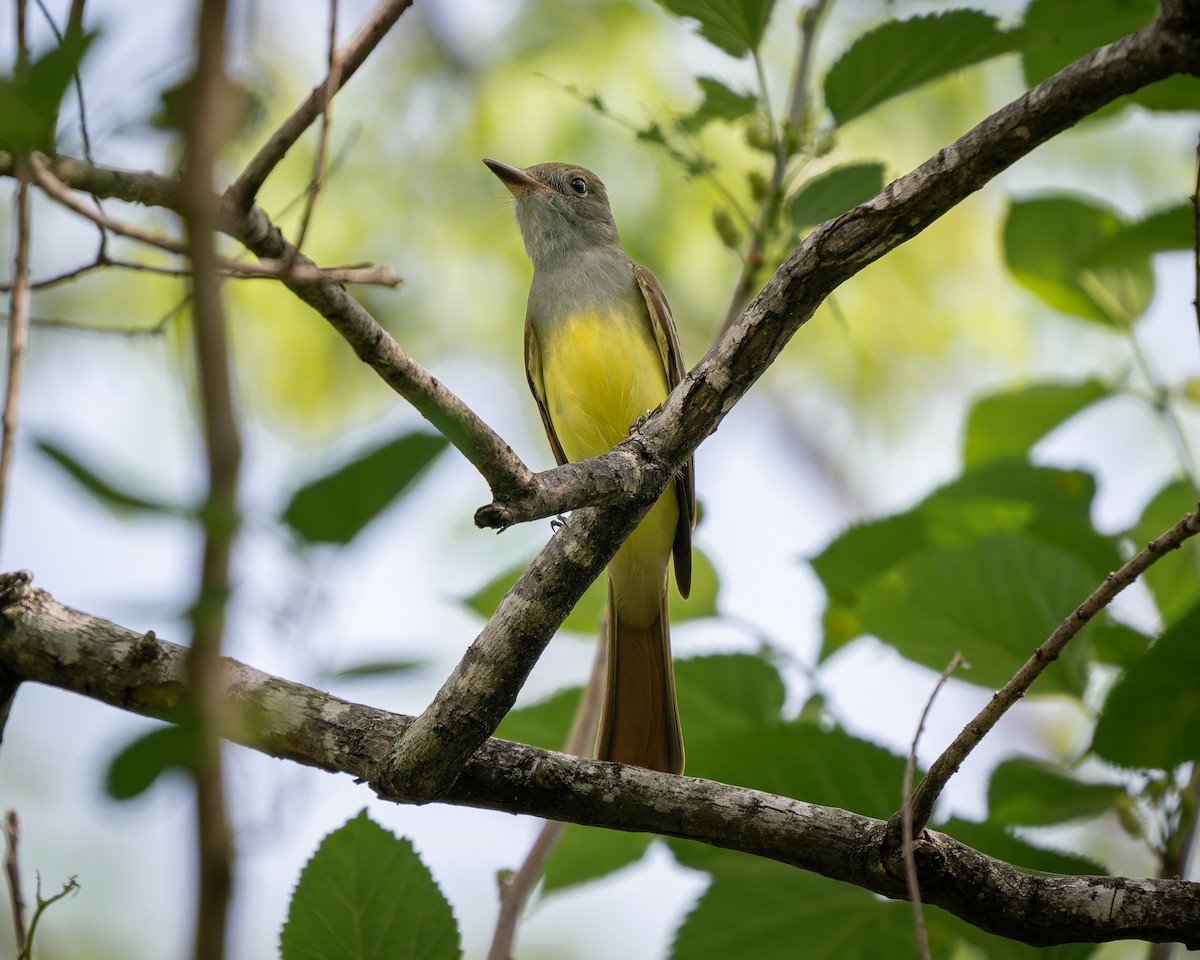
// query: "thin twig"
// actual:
[[70, 886], [205, 135], [332, 82], [12, 869], [952, 758], [1180, 847], [516, 887], [244, 189], [285, 269], [910, 857]]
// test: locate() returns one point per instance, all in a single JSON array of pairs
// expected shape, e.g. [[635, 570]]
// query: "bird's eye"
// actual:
[[579, 185]]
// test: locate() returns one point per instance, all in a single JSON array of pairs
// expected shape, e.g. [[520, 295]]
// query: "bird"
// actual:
[[601, 352]]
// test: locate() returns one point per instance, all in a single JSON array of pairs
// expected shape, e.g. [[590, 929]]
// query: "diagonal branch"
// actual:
[[44, 641]]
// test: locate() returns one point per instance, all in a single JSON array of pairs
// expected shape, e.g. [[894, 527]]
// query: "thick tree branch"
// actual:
[[43, 641]]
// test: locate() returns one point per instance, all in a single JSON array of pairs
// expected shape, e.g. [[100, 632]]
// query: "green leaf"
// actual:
[[337, 506], [584, 854], [1061, 249], [1060, 31], [376, 668], [29, 104], [901, 55], [720, 103], [989, 946], [366, 895], [833, 192], [762, 909], [587, 613], [544, 724], [1035, 793], [107, 492], [1050, 506], [1008, 423], [138, 764], [735, 26], [1151, 718], [994, 601], [1173, 579]]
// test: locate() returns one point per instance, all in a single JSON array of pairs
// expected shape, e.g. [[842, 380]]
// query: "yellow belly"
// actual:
[[600, 373]]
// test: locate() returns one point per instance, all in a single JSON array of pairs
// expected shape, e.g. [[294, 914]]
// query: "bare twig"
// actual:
[[12, 870], [952, 758], [910, 856], [332, 84], [205, 135], [516, 887], [242, 191]]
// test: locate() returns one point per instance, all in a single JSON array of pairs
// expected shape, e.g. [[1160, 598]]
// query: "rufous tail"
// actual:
[[640, 721]]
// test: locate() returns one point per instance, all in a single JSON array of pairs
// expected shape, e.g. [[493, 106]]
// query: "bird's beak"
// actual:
[[517, 180]]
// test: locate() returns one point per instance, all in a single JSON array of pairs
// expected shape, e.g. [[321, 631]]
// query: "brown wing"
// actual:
[[533, 373], [685, 483]]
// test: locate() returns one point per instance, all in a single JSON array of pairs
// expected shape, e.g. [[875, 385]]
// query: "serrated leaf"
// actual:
[[901, 55], [141, 762], [735, 26], [1008, 423], [719, 103], [336, 507], [366, 895], [1173, 579], [587, 613], [994, 601], [1152, 715], [833, 192], [107, 492], [1035, 793], [1059, 248]]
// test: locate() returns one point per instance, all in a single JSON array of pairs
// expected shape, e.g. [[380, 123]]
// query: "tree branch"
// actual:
[[44, 641]]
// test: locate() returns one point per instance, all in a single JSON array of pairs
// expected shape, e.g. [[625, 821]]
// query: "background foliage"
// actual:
[[967, 438]]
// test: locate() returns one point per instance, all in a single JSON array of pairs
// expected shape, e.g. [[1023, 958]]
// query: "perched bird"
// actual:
[[600, 352]]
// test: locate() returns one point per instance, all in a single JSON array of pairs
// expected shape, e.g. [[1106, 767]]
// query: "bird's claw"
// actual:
[[557, 523]]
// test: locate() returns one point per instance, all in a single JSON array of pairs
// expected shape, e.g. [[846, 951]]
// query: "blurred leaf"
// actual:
[[1035, 793], [762, 909], [736, 26], [1061, 31], [1173, 579], [1152, 715], [336, 507], [833, 192], [366, 895], [720, 103], [1116, 643], [1059, 248], [376, 668], [29, 104], [995, 600], [727, 695], [104, 491], [588, 612], [544, 724], [989, 946], [901, 55], [584, 854], [1008, 423], [138, 764], [1170, 229], [994, 840]]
